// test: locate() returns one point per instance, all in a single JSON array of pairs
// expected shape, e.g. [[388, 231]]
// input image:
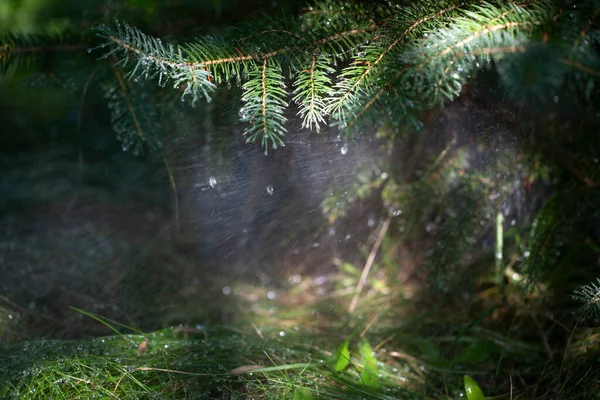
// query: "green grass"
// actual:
[[303, 344], [221, 364]]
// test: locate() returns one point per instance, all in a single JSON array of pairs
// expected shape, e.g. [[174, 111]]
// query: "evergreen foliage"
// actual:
[[351, 64], [28, 51], [590, 296], [375, 63]]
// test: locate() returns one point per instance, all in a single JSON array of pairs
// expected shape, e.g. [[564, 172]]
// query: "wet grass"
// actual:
[[299, 342], [295, 338], [265, 362]]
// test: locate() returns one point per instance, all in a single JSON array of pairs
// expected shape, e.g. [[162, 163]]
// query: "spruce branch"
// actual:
[[264, 95], [312, 85], [351, 87], [125, 96], [589, 295], [19, 49], [201, 65], [153, 58], [477, 36], [395, 62], [206, 59], [133, 117]]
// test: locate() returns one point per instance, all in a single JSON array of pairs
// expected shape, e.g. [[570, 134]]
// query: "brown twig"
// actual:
[[369, 263], [174, 188], [123, 87]]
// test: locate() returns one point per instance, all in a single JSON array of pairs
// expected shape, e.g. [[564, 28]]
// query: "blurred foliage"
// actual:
[[38, 16]]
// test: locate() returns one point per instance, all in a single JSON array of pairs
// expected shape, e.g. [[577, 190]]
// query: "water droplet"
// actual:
[[270, 190], [384, 175], [281, 333], [271, 295], [226, 290], [556, 99], [212, 181], [344, 149], [526, 254]]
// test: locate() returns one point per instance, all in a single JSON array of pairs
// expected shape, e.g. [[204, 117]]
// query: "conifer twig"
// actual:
[[174, 188], [130, 108]]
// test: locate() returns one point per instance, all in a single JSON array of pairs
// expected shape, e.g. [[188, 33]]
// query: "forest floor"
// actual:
[[93, 306], [296, 336]]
